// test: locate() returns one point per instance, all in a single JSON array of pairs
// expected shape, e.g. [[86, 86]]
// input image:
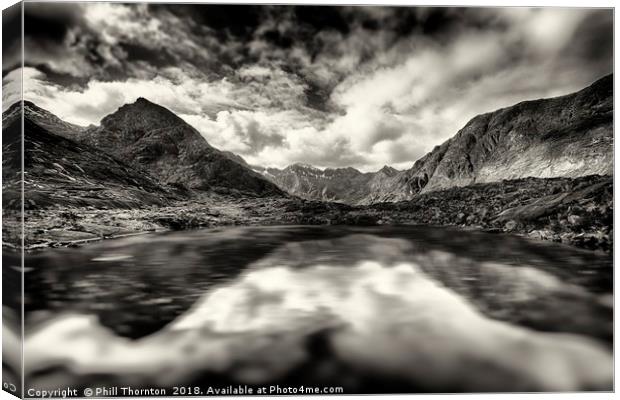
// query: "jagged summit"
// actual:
[[345, 185], [343, 170], [302, 165], [141, 114], [28, 105], [387, 170]]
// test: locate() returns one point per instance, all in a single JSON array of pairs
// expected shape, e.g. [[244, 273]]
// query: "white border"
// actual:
[[477, 3]]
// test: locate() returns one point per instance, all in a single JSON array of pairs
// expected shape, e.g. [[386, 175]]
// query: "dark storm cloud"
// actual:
[[11, 34], [45, 24], [225, 34], [51, 22], [156, 57], [225, 21], [428, 21], [63, 79], [59, 42]]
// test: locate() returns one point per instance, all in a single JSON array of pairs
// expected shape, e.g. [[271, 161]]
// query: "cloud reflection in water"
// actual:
[[382, 313]]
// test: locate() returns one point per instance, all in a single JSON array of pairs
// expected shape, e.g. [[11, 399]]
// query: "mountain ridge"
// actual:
[[565, 136], [536, 138], [344, 185]]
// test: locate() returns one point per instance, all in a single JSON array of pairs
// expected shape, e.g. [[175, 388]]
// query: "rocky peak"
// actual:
[[341, 172], [41, 117], [387, 170], [29, 108], [12, 112], [302, 167], [33, 111], [142, 114]]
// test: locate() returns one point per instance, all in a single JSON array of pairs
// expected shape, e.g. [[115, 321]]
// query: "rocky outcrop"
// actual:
[[575, 211]]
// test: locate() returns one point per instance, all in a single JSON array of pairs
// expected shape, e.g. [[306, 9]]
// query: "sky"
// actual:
[[327, 86]]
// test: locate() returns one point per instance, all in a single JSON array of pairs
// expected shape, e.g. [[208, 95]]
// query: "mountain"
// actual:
[[567, 136], [154, 139], [345, 185], [60, 172], [236, 158], [51, 122], [388, 171]]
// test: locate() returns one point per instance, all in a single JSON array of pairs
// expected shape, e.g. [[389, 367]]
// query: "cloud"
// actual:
[[435, 90], [12, 88], [244, 132], [330, 86], [11, 34]]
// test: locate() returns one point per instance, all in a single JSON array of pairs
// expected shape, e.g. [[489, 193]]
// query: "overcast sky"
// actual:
[[329, 86]]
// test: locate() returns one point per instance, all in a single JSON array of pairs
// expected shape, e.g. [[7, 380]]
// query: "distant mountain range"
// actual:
[[152, 156], [345, 185], [567, 136]]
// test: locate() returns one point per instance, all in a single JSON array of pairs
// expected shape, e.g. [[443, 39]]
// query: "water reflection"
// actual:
[[373, 311]]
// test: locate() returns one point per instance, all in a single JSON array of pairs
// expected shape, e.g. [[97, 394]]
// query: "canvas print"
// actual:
[[207, 199]]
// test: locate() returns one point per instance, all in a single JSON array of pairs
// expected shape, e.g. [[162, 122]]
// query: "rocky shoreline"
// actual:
[[578, 212]]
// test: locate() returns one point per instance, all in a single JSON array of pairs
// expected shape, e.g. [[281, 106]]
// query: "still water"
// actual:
[[368, 309]]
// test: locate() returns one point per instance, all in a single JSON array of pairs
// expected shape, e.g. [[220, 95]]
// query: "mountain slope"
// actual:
[[51, 122], [567, 136], [61, 172], [153, 138], [345, 185]]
